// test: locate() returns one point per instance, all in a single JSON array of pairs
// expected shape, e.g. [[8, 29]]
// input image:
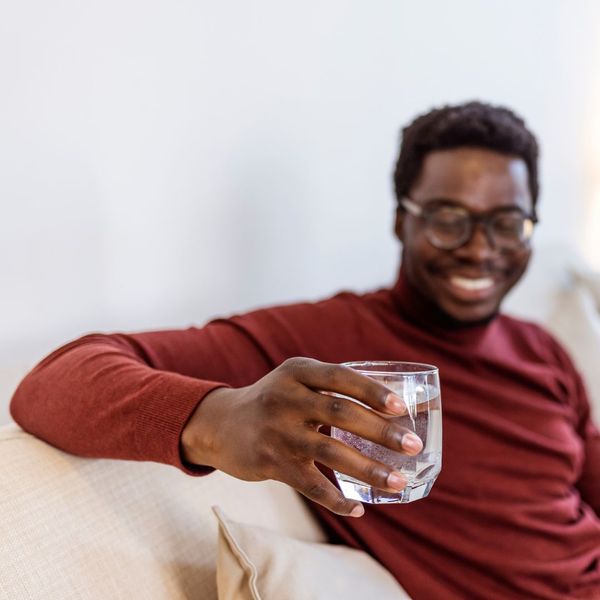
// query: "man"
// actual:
[[515, 512]]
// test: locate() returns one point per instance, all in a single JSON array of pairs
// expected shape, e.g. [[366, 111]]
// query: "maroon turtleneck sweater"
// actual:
[[515, 512]]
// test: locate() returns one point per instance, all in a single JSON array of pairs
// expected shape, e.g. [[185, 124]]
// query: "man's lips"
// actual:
[[471, 288], [472, 283]]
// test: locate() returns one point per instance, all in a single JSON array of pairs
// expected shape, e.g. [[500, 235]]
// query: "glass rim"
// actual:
[[426, 369]]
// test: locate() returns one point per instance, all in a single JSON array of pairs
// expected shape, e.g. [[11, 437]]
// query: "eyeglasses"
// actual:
[[449, 226]]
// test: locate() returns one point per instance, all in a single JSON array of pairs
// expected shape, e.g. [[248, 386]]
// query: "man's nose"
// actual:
[[480, 246]]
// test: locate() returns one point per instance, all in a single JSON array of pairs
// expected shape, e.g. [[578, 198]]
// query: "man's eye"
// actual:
[[509, 225], [448, 220]]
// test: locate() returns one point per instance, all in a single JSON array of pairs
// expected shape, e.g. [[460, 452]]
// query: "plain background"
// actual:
[[162, 163]]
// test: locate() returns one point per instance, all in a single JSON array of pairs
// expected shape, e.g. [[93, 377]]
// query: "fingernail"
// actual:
[[395, 404], [396, 481], [412, 443], [357, 511]]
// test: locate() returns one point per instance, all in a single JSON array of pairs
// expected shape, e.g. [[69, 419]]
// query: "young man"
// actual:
[[515, 512]]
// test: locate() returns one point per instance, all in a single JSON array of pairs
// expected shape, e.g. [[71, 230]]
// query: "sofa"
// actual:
[[75, 528]]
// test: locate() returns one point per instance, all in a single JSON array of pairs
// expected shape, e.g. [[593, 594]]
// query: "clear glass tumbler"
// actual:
[[419, 386]]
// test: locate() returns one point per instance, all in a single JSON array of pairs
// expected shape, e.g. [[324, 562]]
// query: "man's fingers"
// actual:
[[387, 431], [331, 377], [315, 486], [342, 458]]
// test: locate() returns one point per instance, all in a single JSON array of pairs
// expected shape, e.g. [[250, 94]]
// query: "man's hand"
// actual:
[[270, 430]]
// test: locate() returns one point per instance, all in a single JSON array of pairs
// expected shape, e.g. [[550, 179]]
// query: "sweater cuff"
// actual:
[[164, 414]]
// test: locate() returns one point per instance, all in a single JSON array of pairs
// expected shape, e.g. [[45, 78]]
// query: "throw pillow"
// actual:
[[257, 564]]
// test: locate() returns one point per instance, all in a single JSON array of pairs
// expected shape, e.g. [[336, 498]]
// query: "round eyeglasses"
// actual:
[[449, 226]]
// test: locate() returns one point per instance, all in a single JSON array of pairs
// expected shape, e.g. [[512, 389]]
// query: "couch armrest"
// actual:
[[95, 529]]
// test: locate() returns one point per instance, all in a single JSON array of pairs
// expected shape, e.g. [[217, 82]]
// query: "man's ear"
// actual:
[[399, 224]]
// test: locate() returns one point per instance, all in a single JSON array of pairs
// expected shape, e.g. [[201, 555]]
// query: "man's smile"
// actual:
[[472, 289], [468, 283]]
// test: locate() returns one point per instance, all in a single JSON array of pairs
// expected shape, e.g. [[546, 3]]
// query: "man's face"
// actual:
[[469, 283]]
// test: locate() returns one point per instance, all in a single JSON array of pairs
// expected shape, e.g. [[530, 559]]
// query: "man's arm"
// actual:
[[130, 396], [589, 482], [154, 396]]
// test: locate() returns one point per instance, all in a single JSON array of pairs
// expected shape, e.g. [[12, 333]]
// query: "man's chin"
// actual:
[[467, 314]]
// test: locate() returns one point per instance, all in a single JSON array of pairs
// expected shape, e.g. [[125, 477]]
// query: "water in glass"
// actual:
[[418, 386]]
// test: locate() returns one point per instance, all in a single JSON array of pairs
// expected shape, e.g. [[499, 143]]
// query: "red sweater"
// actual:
[[515, 512]]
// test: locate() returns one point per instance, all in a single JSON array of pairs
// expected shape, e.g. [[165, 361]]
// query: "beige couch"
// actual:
[[77, 528], [94, 529], [74, 528]]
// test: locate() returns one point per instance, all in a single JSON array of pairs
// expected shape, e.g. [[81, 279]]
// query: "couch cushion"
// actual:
[[256, 563], [96, 529]]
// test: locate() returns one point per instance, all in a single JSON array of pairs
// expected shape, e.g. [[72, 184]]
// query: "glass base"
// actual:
[[356, 490]]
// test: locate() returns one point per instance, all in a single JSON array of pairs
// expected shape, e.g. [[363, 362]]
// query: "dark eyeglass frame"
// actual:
[[485, 219]]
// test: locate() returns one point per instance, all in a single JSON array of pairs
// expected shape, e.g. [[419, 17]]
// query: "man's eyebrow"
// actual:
[[443, 200], [455, 202]]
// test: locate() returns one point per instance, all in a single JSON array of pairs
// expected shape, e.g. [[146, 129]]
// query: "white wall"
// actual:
[[164, 162]]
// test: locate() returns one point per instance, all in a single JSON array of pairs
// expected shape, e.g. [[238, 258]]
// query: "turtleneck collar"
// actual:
[[421, 311]]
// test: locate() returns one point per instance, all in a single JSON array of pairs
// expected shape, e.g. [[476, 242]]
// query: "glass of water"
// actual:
[[418, 385]]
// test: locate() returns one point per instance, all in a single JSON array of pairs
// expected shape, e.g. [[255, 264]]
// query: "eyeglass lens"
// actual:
[[451, 227]]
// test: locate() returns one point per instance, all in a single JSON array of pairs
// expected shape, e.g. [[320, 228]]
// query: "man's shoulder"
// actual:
[[320, 328], [339, 306], [525, 327], [533, 335]]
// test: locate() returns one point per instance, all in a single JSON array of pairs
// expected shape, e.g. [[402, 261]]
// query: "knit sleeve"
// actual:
[[130, 396], [589, 482]]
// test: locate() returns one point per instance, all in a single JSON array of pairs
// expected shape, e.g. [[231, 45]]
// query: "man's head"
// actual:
[[455, 162]]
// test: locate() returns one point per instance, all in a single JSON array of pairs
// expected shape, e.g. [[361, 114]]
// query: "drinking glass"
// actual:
[[418, 386]]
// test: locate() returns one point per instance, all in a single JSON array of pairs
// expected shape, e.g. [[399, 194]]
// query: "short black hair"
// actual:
[[474, 124]]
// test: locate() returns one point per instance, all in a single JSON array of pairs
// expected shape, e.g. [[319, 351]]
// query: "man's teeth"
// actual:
[[472, 284]]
